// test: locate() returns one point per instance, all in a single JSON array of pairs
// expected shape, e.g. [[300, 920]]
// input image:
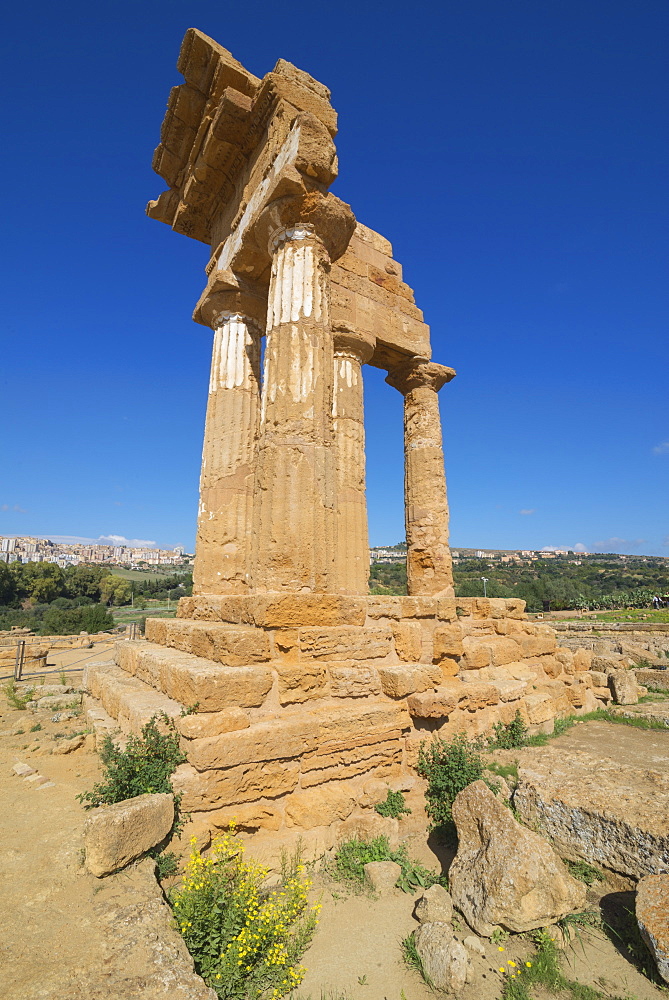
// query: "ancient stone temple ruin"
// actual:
[[311, 697]]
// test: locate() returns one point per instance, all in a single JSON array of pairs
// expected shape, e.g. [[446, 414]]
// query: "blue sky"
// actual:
[[514, 153]]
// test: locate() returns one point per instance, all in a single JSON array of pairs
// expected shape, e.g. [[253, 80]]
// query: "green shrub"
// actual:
[[246, 941], [15, 699], [448, 768], [511, 735], [145, 765], [393, 806], [352, 856]]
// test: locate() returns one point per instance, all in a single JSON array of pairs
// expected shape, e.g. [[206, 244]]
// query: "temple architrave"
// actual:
[[307, 697]]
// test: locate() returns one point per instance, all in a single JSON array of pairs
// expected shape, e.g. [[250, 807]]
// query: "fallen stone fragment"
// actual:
[[434, 906], [504, 874], [115, 835], [445, 961], [597, 809], [22, 769], [67, 746], [475, 944], [624, 687], [36, 779], [652, 914], [382, 875], [46, 784]]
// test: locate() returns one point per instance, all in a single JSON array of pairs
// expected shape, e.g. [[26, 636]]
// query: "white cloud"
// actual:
[[579, 547], [661, 448], [15, 507], [527, 510], [615, 543]]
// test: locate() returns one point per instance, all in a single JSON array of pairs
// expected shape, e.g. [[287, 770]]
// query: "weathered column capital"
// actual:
[[313, 217], [225, 293], [418, 374], [353, 344]]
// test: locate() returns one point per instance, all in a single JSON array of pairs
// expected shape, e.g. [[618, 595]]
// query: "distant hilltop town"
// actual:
[[398, 554], [26, 549]]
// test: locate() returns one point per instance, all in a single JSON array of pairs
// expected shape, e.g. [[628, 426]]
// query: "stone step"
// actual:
[[128, 700], [191, 680], [232, 645]]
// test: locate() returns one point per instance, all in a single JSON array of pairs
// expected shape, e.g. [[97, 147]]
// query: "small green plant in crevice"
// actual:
[[352, 856], [413, 959], [508, 737], [167, 863], [190, 709], [584, 872], [246, 940], [499, 935], [393, 806], [16, 700], [146, 764], [63, 678], [448, 767], [36, 728]]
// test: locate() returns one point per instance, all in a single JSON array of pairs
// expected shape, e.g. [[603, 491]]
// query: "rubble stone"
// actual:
[[115, 835]]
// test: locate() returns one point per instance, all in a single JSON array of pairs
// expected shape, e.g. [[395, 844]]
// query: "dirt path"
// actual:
[[646, 748], [65, 935]]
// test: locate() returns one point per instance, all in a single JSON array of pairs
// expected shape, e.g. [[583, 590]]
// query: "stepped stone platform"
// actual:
[[305, 708]]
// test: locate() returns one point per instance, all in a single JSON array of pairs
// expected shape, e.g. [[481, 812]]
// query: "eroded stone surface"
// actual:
[[652, 914], [115, 835], [505, 875]]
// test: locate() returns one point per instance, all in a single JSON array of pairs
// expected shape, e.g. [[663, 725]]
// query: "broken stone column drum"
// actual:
[[294, 529], [429, 566], [222, 553]]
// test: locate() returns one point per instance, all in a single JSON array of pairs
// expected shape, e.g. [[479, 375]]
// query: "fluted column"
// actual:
[[351, 351], [429, 566], [223, 546], [295, 514]]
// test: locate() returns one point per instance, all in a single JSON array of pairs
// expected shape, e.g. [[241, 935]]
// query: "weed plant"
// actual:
[[413, 959], [505, 771], [246, 941], [146, 764], [15, 699], [167, 863], [393, 806], [352, 856], [448, 768], [508, 737], [584, 872], [544, 971]]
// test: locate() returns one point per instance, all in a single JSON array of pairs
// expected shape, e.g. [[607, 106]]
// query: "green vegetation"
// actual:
[[505, 771], [544, 971], [352, 856], [584, 872], [54, 601], [393, 806], [596, 582], [15, 699], [246, 941], [448, 768], [145, 765], [513, 734], [167, 863], [413, 959]]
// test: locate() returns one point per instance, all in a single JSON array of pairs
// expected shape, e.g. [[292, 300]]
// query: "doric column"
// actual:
[[351, 351], [294, 526], [223, 549], [429, 567]]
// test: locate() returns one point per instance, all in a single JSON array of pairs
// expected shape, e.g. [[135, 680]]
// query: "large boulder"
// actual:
[[652, 914], [597, 809], [505, 875], [445, 961], [115, 835], [624, 687]]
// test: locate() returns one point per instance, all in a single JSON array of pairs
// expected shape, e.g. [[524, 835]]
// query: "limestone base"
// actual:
[[305, 708]]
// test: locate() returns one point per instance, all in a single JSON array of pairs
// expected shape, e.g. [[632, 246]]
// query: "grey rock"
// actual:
[[624, 687], [434, 906], [652, 914], [445, 960], [472, 943]]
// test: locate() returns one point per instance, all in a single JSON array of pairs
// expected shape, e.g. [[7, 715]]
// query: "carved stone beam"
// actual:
[[429, 567]]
